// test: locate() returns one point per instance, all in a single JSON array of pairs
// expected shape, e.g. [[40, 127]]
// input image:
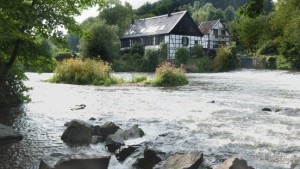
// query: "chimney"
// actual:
[[169, 14]]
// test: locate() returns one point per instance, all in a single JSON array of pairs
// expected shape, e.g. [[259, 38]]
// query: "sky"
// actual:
[[92, 12]]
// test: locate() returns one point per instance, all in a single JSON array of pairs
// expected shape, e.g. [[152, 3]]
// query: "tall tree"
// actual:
[[116, 14], [23, 21]]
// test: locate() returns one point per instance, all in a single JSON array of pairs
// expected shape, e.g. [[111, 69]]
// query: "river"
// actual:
[[218, 114]]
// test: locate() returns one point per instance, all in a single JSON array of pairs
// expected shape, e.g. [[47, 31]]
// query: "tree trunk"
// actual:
[[10, 63]]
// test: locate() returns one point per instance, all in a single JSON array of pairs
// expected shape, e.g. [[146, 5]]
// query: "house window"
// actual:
[[148, 41], [196, 42], [223, 33], [215, 31], [185, 41], [159, 39], [136, 41], [125, 43]]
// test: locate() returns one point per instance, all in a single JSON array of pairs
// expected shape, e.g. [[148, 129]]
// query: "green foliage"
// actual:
[[72, 42], [84, 72], [253, 8], [229, 14], [104, 43], [138, 78], [114, 13], [167, 74], [12, 92], [151, 57], [204, 64], [283, 63], [251, 31], [197, 51], [23, 24], [269, 48], [181, 55], [270, 62], [225, 59], [63, 55], [163, 50]]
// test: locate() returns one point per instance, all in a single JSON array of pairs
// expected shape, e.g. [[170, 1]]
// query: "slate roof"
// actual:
[[206, 27], [157, 25]]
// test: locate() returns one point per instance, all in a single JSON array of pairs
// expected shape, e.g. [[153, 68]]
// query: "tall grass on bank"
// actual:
[[167, 74], [84, 72]]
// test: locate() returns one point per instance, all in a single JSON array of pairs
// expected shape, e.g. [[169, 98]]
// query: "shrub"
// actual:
[[283, 63], [197, 51], [151, 56], [269, 48], [12, 92], [204, 64], [225, 59], [181, 56], [138, 78], [167, 74], [74, 71], [63, 55], [269, 61], [163, 50]]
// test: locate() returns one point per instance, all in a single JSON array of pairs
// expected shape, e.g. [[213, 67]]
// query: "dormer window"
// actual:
[[215, 31]]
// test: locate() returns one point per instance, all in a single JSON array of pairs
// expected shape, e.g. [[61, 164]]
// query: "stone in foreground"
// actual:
[[190, 160], [234, 163], [76, 161], [9, 134], [77, 132]]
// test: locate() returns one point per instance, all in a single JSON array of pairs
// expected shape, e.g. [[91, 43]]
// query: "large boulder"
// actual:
[[77, 132], [126, 151], [234, 163], [105, 130], [115, 141], [76, 161], [149, 159], [189, 160], [9, 134]]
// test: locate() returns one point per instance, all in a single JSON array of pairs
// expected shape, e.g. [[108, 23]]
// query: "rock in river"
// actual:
[[190, 160], [78, 132], [115, 141], [75, 161], [8, 134], [234, 163], [105, 130]]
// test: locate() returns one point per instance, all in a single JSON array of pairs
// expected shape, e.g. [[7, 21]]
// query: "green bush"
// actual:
[[225, 59], [151, 56], [269, 48], [63, 55], [204, 64], [163, 50], [167, 74], [270, 62], [283, 63], [83, 72], [181, 56], [197, 51], [138, 78], [12, 92]]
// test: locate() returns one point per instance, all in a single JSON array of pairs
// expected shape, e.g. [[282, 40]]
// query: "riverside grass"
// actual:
[[84, 72], [167, 74]]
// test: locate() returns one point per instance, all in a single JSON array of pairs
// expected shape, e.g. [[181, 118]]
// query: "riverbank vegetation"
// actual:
[[84, 72], [167, 74]]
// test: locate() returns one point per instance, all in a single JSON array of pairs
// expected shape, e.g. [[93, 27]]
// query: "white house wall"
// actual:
[[175, 41], [219, 39]]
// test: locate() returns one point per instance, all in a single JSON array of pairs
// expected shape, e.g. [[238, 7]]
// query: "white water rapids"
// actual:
[[218, 114]]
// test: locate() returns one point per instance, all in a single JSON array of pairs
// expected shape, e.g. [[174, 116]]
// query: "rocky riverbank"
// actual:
[[9, 134], [145, 155]]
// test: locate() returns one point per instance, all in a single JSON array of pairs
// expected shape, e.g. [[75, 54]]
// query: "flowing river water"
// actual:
[[219, 114]]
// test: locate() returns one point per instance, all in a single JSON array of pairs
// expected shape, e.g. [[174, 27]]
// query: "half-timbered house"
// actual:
[[175, 29], [215, 34]]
